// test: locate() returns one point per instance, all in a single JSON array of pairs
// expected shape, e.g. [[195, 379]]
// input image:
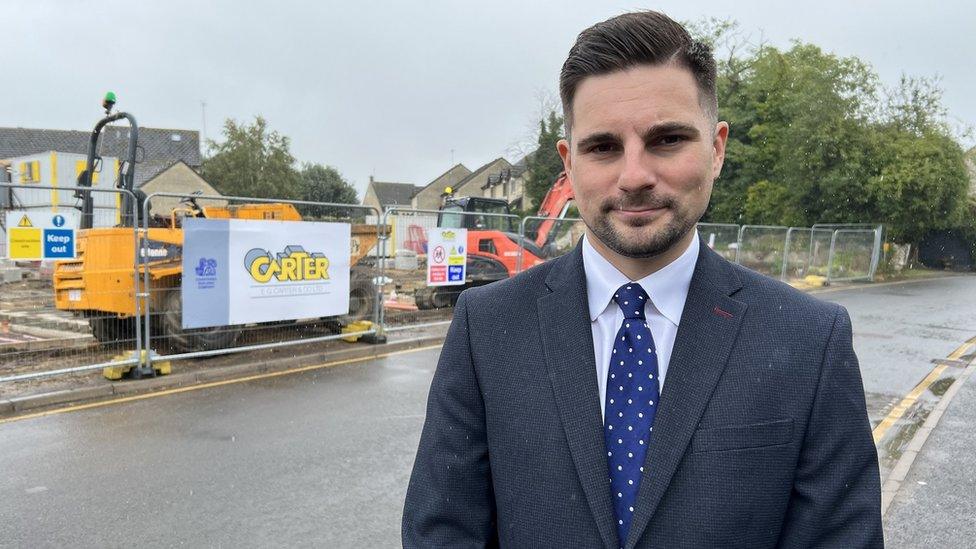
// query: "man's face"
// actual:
[[642, 157]]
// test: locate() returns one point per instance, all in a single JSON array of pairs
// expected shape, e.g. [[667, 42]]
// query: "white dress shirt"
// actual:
[[667, 289]]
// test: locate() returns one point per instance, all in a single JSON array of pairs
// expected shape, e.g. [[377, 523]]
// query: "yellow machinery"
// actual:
[[100, 285]]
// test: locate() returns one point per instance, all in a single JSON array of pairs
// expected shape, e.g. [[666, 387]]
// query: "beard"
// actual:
[[634, 238]]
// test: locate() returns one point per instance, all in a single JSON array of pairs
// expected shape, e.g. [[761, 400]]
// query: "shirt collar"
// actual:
[[667, 288]]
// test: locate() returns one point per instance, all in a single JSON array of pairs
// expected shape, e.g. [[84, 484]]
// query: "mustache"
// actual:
[[642, 201]]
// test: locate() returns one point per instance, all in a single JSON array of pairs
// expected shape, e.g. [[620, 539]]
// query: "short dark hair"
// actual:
[[632, 39]]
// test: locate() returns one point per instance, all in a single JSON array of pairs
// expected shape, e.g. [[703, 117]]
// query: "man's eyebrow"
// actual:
[[596, 138], [670, 127]]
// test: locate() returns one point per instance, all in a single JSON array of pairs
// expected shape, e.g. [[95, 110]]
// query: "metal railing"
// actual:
[[723, 238], [430, 307], [851, 256], [762, 248], [395, 265], [49, 321], [224, 339], [561, 237]]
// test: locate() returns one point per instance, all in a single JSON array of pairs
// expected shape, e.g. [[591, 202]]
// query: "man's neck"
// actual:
[[636, 268]]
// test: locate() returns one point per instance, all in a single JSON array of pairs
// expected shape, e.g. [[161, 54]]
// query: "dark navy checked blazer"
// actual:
[[761, 439]]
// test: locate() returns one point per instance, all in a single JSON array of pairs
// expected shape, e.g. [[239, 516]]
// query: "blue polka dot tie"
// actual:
[[632, 394]]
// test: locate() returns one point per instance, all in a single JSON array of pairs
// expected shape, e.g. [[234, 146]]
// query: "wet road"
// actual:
[[319, 459], [900, 328], [322, 458]]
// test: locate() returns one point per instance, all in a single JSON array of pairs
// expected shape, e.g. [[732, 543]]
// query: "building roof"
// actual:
[[444, 175], [475, 174], [170, 166], [505, 174], [394, 194], [163, 147]]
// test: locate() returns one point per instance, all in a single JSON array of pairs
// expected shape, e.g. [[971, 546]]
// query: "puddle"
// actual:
[[894, 443], [940, 386]]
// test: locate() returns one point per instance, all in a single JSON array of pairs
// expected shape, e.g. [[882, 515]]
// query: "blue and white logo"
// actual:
[[207, 267], [58, 220], [206, 272]]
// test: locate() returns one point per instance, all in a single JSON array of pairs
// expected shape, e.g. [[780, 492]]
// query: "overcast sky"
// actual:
[[391, 88]]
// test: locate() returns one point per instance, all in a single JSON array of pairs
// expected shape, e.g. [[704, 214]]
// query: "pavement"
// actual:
[[933, 506]]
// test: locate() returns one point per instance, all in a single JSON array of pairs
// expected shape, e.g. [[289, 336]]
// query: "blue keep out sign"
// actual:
[[59, 243]]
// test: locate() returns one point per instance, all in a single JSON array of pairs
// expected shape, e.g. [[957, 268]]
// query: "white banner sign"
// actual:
[[447, 256], [238, 271]]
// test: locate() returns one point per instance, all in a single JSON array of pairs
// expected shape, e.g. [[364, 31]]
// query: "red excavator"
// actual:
[[493, 242]]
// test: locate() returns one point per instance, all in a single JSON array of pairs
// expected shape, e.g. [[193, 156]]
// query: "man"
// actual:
[[641, 391]]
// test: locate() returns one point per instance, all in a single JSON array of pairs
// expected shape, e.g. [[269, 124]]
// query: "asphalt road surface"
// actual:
[[321, 458], [318, 459]]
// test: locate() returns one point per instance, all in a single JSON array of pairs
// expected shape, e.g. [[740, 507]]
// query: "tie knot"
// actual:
[[631, 299]]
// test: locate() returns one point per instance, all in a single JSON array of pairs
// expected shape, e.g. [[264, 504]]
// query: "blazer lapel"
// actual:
[[707, 331], [568, 346]]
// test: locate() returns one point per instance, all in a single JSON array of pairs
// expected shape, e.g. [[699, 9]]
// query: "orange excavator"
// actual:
[[493, 242]]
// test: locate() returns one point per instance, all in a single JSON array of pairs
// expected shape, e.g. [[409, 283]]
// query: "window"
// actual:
[[80, 167], [452, 217], [30, 172]]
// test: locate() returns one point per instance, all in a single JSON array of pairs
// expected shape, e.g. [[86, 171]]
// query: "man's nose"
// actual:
[[637, 171]]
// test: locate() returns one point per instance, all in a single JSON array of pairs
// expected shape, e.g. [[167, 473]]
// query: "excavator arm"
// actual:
[[553, 207]]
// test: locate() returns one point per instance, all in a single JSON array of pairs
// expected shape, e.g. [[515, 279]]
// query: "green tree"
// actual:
[[815, 139], [922, 185], [770, 203], [325, 184], [252, 161], [798, 122], [544, 165]]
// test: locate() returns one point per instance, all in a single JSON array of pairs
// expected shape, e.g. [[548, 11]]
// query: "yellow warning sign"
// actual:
[[25, 244], [25, 222]]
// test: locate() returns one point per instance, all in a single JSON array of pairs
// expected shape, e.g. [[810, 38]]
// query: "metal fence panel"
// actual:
[[819, 253], [723, 238], [879, 234], [408, 231], [852, 255], [162, 278], [761, 248], [796, 262], [409, 302], [544, 238], [69, 315]]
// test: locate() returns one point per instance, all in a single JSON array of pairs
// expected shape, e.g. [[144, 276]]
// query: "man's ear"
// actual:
[[718, 148], [565, 152]]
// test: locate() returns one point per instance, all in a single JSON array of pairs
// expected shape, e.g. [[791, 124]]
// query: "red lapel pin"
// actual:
[[721, 313]]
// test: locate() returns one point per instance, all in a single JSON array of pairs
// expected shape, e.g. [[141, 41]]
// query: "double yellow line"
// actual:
[[912, 397], [879, 432], [212, 384]]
